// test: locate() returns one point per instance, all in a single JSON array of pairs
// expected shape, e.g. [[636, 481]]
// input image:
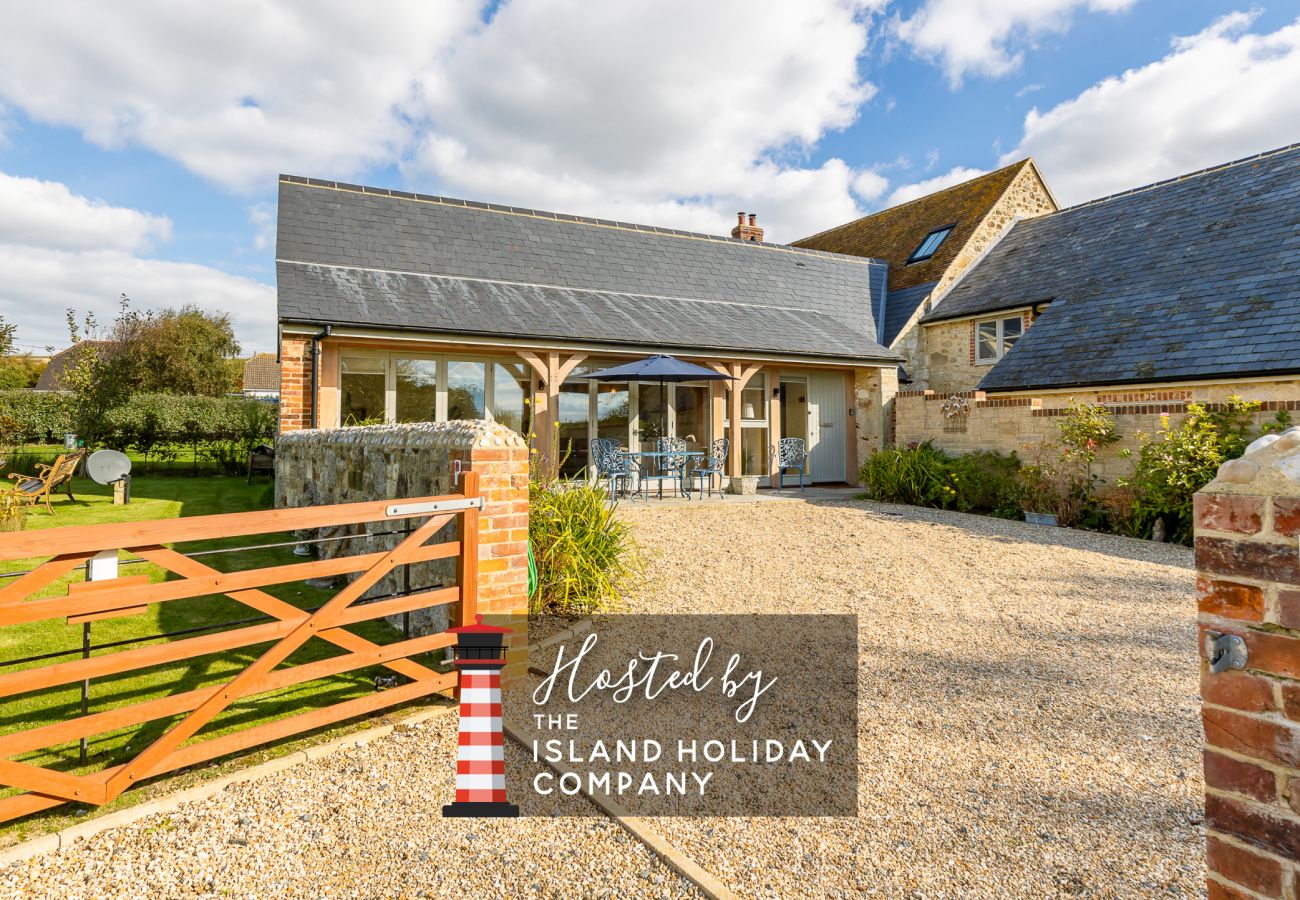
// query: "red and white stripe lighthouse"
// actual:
[[480, 759]]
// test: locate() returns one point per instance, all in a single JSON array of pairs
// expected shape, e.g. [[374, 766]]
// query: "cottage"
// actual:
[[1183, 291], [405, 307]]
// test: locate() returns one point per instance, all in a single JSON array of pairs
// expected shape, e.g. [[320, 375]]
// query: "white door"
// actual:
[[828, 416]]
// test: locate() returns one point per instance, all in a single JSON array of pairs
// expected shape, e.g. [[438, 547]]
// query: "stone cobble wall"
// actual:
[[1010, 422], [1248, 568], [399, 462]]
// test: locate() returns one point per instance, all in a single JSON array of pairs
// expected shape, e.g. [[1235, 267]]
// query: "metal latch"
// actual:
[[433, 506], [1225, 651]]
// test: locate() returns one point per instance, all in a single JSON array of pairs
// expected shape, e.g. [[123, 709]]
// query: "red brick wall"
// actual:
[[295, 383], [1249, 585], [503, 545]]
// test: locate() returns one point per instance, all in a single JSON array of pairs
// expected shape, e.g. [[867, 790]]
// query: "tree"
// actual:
[[181, 351], [16, 371], [100, 376]]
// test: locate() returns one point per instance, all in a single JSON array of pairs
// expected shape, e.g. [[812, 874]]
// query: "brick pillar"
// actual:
[[501, 458], [1248, 581], [295, 383]]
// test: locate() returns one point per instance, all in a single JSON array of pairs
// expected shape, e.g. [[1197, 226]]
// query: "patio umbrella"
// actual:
[[662, 369]]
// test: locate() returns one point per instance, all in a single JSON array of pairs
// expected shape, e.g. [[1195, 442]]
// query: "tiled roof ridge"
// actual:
[[897, 206], [748, 304], [1208, 170], [566, 217]]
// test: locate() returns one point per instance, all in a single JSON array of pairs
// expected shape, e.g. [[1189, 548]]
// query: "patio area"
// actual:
[[1028, 727]]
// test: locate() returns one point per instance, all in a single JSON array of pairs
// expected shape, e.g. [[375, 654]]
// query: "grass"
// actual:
[[163, 497], [185, 462]]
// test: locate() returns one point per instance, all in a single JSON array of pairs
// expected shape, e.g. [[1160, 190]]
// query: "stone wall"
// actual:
[[1007, 422], [398, 462], [932, 354], [1247, 526], [873, 404]]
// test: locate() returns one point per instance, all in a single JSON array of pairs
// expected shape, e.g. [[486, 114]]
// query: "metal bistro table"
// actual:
[[654, 456]]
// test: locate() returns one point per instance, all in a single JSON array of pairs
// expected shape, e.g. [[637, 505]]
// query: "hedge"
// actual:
[[43, 416]]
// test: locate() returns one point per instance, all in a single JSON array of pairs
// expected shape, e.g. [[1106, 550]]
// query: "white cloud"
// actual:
[[60, 250], [618, 109], [232, 91], [955, 175], [263, 218], [683, 110], [1218, 95], [47, 214], [869, 185], [988, 37]]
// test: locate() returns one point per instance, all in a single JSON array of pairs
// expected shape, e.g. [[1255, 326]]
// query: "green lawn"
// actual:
[[164, 497]]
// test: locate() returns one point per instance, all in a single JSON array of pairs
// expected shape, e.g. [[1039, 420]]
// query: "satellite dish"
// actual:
[[108, 466]]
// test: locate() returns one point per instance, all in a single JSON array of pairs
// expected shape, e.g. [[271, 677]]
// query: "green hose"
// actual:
[[532, 572]]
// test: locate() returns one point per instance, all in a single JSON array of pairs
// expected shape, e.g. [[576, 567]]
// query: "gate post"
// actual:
[[1248, 582], [499, 457]]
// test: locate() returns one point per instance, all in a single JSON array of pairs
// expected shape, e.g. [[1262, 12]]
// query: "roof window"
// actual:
[[930, 244]]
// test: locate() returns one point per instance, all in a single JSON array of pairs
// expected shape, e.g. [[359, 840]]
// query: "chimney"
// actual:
[[747, 232]]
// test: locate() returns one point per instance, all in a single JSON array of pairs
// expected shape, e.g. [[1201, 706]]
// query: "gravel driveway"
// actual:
[[1029, 701], [1029, 727]]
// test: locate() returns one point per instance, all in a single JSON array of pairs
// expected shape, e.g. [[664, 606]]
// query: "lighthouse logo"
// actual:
[[480, 757]]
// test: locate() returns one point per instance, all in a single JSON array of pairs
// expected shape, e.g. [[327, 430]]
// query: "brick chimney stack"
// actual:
[[747, 232]]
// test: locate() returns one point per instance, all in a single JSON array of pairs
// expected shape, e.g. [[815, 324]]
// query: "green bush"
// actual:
[[983, 481], [45, 416], [920, 476], [986, 482], [585, 554]]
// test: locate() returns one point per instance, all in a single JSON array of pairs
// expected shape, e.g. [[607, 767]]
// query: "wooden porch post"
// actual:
[[551, 372]]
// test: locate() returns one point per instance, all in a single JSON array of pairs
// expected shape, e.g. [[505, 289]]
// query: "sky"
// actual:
[[140, 143]]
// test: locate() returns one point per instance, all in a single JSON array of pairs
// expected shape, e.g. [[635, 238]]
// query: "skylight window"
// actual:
[[930, 244]]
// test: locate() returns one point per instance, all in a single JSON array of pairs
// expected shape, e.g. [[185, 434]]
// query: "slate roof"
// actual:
[[348, 255], [900, 307], [1196, 277], [894, 234]]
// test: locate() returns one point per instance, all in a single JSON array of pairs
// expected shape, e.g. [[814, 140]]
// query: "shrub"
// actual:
[[585, 554], [45, 416], [986, 482], [1177, 462], [919, 475]]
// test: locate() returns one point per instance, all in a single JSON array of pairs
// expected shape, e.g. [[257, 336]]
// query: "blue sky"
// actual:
[[138, 151]]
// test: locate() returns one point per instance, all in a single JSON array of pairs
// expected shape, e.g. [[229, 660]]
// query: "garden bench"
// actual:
[[38, 487], [261, 459]]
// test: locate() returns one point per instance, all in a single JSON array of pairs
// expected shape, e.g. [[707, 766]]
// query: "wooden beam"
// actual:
[[570, 364], [75, 542], [535, 362]]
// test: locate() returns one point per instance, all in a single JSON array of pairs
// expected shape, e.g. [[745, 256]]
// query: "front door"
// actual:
[[827, 426]]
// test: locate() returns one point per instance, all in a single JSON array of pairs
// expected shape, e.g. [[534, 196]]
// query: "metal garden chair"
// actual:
[[671, 466], [612, 464], [713, 464], [791, 453]]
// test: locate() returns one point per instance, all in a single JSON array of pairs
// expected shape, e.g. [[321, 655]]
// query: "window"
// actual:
[[512, 391], [930, 244], [755, 451], [417, 390], [995, 338], [466, 389], [406, 387], [362, 384]]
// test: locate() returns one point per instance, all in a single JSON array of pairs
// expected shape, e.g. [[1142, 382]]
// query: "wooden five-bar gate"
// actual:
[[287, 625]]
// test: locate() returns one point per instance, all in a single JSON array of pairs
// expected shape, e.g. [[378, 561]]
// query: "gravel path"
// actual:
[[1029, 701], [1028, 728]]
